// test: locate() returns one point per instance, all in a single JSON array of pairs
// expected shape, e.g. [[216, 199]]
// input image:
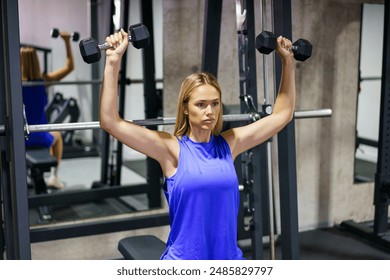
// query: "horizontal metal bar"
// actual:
[[367, 142], [84, 82], [376, 78], [162, 121], [45, 83], [56, 232], [38, 48], [82, 196], [63, 126], [96, 124], [305, 114]]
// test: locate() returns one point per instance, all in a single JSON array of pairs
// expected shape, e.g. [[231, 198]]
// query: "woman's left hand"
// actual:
[[283, 48]]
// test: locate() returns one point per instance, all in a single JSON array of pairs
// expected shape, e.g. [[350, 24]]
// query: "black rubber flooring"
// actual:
[[320, 244], [332, 244], [336, 244]]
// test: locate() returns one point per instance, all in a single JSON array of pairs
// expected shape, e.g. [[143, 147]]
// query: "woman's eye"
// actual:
[[216, 104], [200, 105]]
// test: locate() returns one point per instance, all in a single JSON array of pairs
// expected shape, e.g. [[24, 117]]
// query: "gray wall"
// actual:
[[325, 147]]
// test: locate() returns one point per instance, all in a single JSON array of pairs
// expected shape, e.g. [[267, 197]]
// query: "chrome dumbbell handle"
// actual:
[[106, 46]]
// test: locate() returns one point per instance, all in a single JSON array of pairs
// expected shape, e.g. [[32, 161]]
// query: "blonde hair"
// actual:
[[29, 64], [189, 85]]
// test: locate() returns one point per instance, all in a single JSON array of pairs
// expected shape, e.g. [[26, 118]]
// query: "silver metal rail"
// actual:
[[160, 121], [80, 82]]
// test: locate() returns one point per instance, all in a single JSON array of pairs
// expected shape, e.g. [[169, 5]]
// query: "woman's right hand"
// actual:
[[118, 43]]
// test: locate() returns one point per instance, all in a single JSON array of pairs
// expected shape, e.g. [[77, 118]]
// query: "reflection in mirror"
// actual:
[[369, 92], [88, 192]]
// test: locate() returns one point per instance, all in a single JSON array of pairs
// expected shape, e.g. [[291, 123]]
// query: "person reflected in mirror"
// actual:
[[201, 184], [35, 100]]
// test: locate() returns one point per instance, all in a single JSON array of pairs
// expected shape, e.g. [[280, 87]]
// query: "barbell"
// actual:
[[162, 121], [80, 82]]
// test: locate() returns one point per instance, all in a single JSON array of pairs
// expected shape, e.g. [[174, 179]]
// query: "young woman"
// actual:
[[201, 184], [35, 100]]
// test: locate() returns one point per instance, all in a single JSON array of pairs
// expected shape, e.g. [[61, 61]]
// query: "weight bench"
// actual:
[[143, 247], [39, 161]]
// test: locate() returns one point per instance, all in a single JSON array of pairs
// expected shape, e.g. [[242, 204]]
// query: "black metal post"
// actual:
[[286, 148], [382, 176], [254, 164], [13, 156], [95, 72], [154, 172], [211, 36], [4, 169], [122, 95], [259, 162], [105, 137]]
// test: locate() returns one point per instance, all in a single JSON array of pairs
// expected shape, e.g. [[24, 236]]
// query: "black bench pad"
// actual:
[[143, 247], [40, 158]]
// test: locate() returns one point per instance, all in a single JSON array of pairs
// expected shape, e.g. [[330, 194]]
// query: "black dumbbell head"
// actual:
[[89, 50], [266, 42], [303, 49], [75, 36], [55, 33], [139, 34]]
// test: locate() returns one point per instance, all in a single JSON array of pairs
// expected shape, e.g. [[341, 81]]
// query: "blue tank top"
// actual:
[[203, 200], [35, 100]]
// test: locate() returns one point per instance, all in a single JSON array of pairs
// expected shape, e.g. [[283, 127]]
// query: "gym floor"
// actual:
[[320, 244]]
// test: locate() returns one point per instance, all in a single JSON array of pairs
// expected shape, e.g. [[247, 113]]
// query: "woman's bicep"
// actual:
[[245, 137]]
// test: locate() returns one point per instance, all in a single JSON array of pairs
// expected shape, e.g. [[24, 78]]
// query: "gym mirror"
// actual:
[[83, 167], [369, 91]]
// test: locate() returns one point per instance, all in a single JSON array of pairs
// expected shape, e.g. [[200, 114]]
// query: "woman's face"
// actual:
[[203, 108]]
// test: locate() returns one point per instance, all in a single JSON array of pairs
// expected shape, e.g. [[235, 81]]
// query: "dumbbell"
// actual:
[[55, 33], [266, 43], [90, 50]]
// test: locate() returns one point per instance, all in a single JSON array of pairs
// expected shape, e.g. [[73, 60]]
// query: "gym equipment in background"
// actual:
[[66, 110]]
